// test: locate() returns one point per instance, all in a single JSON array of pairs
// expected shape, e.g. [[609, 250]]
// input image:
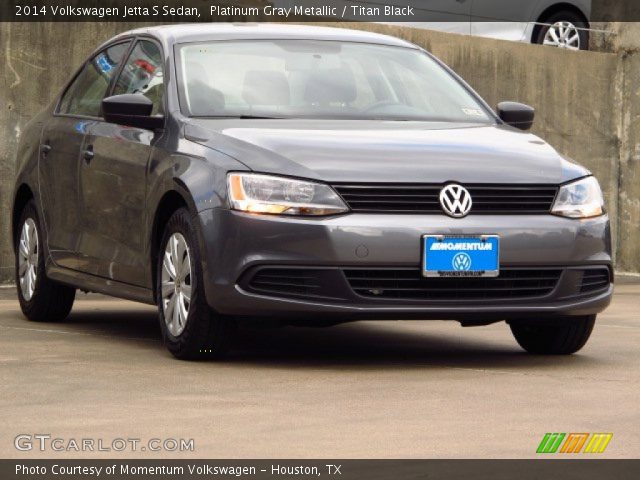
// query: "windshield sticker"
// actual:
[[473, 112]]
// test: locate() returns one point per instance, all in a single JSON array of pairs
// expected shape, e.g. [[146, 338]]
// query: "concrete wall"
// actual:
[[586, 102], [36, 59]]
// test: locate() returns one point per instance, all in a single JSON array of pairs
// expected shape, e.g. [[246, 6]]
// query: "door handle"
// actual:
[[88, 154], [45, 148]]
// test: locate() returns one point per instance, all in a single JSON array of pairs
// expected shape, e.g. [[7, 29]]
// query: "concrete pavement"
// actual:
[[363, 390]]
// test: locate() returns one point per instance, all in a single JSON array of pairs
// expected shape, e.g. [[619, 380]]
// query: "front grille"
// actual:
[[286, 281], [409, 284], [424, 198], [594, 279]]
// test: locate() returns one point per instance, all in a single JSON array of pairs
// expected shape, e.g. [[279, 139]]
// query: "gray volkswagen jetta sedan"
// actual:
[[306, 175]]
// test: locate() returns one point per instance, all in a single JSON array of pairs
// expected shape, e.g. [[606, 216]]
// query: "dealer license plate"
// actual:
[[461, 255]]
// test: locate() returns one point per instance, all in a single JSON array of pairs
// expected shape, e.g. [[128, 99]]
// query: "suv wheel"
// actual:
[[568, 336], [189, 328], [564, 30], [41, 299]]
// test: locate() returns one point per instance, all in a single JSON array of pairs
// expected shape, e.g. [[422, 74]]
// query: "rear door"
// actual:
[[113, 177], [502, 19], [62, 140]]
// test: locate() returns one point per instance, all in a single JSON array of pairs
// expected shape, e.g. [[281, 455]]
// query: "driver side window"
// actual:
[[143, 74]]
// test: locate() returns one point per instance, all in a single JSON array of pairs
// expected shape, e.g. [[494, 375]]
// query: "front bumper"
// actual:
[[235, 244]]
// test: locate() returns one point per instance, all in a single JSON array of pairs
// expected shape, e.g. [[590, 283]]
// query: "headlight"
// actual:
[[257, 193], [581, 199]]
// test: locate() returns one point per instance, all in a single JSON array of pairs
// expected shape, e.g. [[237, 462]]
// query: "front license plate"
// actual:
[[461, 255]]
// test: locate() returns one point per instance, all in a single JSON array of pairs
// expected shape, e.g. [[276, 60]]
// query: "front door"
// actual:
[[113, 178]]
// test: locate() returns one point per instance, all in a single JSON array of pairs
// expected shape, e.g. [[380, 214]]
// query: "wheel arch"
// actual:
[[179, 180], [552, 10], [171, 200], [23, 195]]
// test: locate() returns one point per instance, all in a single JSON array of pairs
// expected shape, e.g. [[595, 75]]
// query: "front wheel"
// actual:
[[189, 328], [565, 337]]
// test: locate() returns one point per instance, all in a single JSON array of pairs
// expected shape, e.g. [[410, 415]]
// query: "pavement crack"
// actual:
[[63, 332]]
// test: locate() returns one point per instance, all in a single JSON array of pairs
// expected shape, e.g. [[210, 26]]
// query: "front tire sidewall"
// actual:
[[202, 335]]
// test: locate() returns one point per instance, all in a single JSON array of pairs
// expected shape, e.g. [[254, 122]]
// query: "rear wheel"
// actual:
[[568, 336], [564, 29], [41, 299], [189, 328]]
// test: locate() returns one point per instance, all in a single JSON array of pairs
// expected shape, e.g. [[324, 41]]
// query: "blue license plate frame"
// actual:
[[460, 255]]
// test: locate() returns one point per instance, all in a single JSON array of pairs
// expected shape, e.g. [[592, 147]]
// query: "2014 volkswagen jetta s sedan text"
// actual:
[[306, 174]]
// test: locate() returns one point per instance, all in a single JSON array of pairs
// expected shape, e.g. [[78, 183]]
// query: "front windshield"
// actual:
[[320, 79]]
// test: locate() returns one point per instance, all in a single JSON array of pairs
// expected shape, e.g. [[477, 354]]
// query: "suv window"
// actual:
[[143, 74], [84, 96]]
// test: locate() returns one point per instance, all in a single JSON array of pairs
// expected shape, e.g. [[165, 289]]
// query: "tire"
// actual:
[[203, 334], [41, 299], [569, 17], [568, 336]]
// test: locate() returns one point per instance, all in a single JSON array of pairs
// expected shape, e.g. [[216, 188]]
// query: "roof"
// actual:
[[185, 33]]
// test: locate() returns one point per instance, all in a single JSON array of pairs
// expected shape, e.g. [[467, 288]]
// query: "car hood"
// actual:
[[379, 151]]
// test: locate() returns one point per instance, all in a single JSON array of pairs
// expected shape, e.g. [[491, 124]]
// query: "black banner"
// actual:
[[583, 469], [163, 11]]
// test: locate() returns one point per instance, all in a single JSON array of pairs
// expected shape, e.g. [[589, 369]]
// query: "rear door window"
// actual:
[[84, 96]]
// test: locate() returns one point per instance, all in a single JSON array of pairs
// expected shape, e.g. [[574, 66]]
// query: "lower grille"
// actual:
[[409, 284], [286, 281], [594, 279]]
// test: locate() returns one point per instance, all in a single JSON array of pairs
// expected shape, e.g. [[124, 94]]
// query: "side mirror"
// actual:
[[131, 109], [517, 115]]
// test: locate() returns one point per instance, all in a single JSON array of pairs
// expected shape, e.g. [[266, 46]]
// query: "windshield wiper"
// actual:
[[249, 117], [261, 117]]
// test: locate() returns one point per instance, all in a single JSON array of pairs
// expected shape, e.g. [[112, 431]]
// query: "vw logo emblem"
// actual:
[[461, 262], [455, 200]]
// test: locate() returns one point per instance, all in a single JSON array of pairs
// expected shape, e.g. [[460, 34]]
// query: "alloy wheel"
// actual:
[[176, 284], [563, 35], [28, 258]]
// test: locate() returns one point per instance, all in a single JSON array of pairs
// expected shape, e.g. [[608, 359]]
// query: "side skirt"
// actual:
[[92, 283]]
